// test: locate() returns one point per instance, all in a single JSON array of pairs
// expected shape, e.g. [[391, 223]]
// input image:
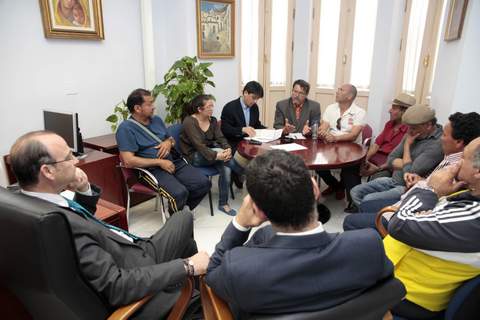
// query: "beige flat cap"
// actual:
[[418, 114], [404, 100]]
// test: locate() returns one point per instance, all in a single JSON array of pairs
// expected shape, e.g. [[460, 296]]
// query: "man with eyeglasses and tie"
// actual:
[[342, 121], [120, 266], [297, 113]]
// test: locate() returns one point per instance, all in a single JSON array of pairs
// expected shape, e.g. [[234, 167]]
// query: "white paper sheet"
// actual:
[[266, 135], [289, 147], [296, 136]]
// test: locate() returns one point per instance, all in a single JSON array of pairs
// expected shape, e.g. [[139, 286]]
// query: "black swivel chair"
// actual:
[[39, 264]]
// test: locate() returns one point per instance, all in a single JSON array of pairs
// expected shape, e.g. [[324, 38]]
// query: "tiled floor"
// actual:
[[144, 221]]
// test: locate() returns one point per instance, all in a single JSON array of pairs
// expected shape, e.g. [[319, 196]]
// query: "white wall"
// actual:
[[84, 76], [455, 87], [175, 36]]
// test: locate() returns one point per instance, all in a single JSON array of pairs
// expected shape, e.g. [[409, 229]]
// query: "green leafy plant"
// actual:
[[120, 113], [186, 79]]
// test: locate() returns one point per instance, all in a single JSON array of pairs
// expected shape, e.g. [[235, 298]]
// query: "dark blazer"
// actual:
[[233, 121], [285, 110], [120, 270], [274, 274]]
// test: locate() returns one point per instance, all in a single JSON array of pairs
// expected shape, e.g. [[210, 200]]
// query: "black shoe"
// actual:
[[323, 213], [237, 180], [351, 208]]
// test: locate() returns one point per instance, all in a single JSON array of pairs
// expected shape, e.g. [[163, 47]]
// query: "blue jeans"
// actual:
[[362, 221], [378, 189], [224, 172]]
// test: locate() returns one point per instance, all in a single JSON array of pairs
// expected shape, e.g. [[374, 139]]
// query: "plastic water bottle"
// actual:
[[315, 130]]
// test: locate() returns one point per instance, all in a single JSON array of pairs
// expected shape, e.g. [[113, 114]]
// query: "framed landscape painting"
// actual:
[[72, 19], [216, 28], [456, 16]]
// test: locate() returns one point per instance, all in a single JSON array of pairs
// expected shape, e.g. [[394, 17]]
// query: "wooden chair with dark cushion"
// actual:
[[374, 303], [39, 265]]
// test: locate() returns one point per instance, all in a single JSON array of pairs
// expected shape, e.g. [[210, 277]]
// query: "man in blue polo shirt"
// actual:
[[143, 142]]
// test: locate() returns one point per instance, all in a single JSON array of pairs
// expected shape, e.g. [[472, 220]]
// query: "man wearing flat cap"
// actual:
[[419, 152], [393, 132]]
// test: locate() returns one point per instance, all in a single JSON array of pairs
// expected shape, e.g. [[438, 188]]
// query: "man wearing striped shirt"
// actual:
[[457, 133], [434, 239]]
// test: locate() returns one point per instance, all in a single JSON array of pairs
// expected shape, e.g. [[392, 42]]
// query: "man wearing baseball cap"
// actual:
[[393, 132], [419, 152]]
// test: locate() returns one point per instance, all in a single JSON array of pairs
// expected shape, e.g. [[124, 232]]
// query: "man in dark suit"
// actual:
[[297, 113], [120, 266], [292, 265], [240, 117]]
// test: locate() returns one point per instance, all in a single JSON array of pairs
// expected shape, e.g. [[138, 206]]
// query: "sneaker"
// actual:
[[351, 208], [328, 191], [232, 212]]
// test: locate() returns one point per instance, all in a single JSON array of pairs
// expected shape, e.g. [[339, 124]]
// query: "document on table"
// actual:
[[266, 135], [296, 136], [289, 147]]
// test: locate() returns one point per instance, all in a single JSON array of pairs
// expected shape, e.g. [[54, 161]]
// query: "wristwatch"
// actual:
[[189, 267]]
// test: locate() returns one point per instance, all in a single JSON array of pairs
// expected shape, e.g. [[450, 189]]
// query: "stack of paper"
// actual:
[[289, 147], [266, 135], [296, 136]]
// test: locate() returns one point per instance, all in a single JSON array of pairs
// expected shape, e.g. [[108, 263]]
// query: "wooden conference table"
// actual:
[[319, 155]]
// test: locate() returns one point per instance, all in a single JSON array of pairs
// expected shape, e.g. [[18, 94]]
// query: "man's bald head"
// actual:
[[28, 154]]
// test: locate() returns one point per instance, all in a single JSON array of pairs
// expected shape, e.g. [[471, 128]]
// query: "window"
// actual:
[[420, 41], [279, 28], [249, 40], [328, 42], [363, 40]]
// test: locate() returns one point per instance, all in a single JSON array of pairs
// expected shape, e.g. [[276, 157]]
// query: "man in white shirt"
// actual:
[[342, 121]]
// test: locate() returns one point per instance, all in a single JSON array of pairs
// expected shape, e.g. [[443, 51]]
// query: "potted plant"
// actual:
[[120, 113], [183, 81]]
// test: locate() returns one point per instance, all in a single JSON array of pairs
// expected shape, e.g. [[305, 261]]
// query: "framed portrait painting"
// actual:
[[216, 28], [72, 19], [456, 16]]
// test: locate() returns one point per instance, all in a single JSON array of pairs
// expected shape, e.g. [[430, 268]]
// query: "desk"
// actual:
[[318, 155], [106, 143], [112, 214]]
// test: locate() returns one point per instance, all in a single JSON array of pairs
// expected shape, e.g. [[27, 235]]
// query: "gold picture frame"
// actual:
[[216, 28], [72, 19], [456, 17]]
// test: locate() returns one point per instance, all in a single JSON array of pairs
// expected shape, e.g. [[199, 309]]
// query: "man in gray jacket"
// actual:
[[419, 152], [297, 113], [120, 266]]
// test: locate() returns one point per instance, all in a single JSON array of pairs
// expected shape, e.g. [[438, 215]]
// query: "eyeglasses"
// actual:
[[69, 157], [339, 126], [299, 93]]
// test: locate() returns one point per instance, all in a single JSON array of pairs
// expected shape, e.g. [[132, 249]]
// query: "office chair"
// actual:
[[367, 135], [374, 303], [464, 302], [132, 185], [40, 266], [208, 171]]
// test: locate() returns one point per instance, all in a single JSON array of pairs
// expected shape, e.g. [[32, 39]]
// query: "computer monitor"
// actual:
[[65, 124]]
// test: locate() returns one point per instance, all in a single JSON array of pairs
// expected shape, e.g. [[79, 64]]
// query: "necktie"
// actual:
[[78, 208]]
